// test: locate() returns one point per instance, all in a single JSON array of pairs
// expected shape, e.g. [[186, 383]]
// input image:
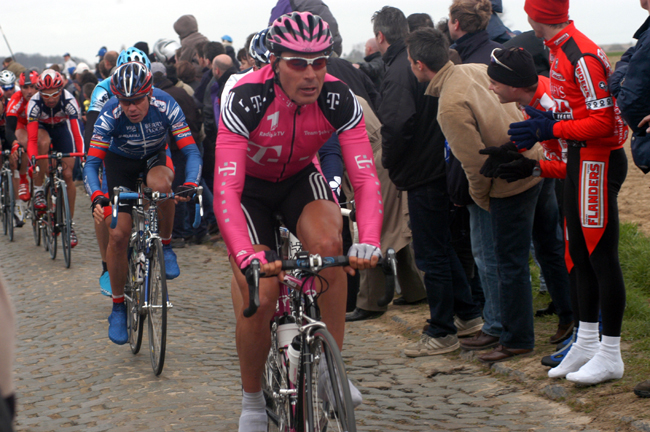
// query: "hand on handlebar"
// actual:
[[270, 264], [362, 256], [184, 192], [97, 207]]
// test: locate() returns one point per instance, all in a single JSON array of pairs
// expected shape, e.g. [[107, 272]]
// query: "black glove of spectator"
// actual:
[[518, 169], [496, 157]]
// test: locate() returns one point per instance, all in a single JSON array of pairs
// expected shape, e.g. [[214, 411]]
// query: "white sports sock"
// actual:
[[606, 365], [585, 347], [253, 413]]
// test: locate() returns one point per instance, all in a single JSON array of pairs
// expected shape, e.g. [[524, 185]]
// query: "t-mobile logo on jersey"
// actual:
[[333, 99], [257, 103], [363, 161], [259, 154], [228, 169], [592, 194]]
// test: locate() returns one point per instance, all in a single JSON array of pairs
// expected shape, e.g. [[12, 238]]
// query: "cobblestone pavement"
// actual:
[[70, 377]]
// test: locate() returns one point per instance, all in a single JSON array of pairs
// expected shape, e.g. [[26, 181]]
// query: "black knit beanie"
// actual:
[[514, 67]]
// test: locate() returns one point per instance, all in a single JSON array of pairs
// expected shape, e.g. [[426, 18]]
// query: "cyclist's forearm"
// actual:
[[32, 140], [91, 117], [229, 178], [91, 177], [10, 129], [193, 164]]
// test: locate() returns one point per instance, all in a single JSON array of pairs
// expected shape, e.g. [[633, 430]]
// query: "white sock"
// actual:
[[253, 413], [583, 349], [606, 365], [325, 387]]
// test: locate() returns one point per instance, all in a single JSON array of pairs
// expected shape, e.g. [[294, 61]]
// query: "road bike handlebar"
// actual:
[[316, 263], [59, 155], [121, 195]]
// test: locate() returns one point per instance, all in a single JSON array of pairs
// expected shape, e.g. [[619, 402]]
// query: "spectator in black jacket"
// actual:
[[413, 152], [373, 65]]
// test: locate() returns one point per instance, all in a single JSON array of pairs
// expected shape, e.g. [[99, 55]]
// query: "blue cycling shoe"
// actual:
[[171, 264], [562, 350], [105, 284], [117, 331]]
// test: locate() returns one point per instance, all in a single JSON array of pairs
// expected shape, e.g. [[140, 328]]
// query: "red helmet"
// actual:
[[49, 79], [28, 79]]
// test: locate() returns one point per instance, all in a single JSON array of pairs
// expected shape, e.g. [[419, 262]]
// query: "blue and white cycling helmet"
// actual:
[[133, 54], [7, 80], [258, 50]]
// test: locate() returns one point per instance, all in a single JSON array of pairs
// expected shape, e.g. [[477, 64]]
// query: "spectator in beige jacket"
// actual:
[[472, 118]]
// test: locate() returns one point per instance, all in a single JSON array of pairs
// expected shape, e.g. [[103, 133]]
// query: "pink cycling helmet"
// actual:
[[300, 32]]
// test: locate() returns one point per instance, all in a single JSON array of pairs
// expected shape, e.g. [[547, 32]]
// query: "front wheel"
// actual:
[[134, 297], [50, 220], [36, 225], [157, 306], [8, 206], [327, 403], [64, 222]]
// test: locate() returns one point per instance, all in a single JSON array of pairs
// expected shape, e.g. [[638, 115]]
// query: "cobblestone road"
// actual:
[[70, 377]]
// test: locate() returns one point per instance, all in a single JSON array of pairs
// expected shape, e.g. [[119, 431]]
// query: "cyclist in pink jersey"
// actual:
[[271, 127]]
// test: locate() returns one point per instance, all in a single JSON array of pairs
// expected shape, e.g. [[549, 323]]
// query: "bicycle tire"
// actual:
[[3, 205], [327, 416], [157, 306], [36, 226], [50, 220], [8, 206], [133, 297], [274, 378], [64, 222]]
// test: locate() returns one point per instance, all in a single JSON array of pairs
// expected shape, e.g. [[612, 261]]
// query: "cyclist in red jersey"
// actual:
[[271, 127], [53, 123], [586, 116], [16, 127]]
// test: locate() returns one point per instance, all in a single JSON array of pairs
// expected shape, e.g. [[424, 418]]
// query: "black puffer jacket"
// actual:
[[412, 142], [373, 65]]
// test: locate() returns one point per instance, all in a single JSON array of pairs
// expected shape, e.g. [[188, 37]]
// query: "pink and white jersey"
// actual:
[[263, 134]]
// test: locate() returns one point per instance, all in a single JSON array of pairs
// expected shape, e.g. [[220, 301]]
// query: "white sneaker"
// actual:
[[428, 346], [468, 328], [325, 389]]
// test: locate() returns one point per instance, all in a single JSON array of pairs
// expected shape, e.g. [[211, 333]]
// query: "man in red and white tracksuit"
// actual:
[[587, 118]]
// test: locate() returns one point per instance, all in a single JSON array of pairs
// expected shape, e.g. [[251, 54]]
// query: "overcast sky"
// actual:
[[82, 27]]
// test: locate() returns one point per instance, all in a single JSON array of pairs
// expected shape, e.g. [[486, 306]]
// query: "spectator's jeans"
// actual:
[[549, 250], [448, 292], [512, 227], [480, 223]]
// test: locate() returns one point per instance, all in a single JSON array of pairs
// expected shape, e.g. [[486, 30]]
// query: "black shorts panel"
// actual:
[[123, 171], [262, 200]]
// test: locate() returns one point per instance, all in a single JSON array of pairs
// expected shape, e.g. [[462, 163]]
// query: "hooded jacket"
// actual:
[[188, 31]]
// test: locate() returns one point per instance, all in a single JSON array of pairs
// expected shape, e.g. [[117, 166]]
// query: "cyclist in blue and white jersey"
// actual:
[[101, 94], [130, 138]]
